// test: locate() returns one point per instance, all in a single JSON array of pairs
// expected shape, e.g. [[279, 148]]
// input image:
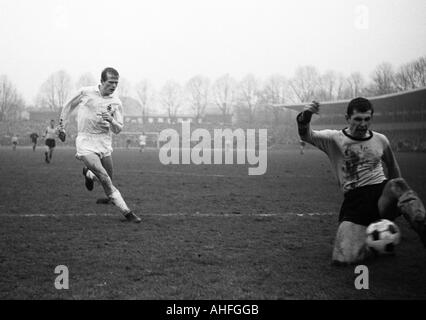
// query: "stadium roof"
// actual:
[[297, 106], [410, 99]]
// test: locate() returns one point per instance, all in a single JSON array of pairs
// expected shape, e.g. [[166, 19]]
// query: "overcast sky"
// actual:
[[177, 39]]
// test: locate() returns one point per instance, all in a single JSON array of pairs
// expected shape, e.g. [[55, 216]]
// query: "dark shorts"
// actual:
[[360, 205], [50, 143]]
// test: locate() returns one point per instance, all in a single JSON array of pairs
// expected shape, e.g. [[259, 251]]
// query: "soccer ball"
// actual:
[[383, 236]]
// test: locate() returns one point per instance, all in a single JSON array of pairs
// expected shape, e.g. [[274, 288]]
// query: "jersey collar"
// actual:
[[99, 92], [358, 139]]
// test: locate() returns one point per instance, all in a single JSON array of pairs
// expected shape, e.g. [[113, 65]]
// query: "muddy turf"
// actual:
[[208, 232]]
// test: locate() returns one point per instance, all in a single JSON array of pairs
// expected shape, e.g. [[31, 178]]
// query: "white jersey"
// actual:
[[89, 119], [142, 139], [357, 162], [50, 133]]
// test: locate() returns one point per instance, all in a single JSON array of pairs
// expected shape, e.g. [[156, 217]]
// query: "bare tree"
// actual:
[[411, 75], [85, 80], [276, 90], [249, 93], [420, 68], [355, 86], [144, 91], [305, 83], [224, 94], [331, 86], [171, 98], [55, 90], [198, 89], [383, 78], [11, 103]]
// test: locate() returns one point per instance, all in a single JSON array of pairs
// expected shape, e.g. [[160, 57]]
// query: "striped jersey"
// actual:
[[356, 162]]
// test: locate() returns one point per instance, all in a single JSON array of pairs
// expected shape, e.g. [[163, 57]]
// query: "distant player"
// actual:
[[34, 137], [14, 142], [142, 142], [356, 154], [99, 115], [128, 143], [302, 146], [50, 135]]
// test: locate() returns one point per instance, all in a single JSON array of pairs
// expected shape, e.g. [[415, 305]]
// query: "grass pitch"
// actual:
[[208, 232]]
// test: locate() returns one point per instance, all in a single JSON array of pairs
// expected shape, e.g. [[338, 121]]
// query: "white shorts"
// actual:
[[98, 144]]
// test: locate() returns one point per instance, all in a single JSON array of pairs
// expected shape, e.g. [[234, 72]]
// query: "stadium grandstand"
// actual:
[[401, 116], [36, 120], [151, 125]]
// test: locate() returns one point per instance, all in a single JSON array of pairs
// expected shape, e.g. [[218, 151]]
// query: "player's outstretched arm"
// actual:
[[304, 119], [67, 109]]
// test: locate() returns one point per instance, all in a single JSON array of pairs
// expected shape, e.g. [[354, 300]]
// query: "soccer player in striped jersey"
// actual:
[[49, 135], [357, 155], [99, 115]]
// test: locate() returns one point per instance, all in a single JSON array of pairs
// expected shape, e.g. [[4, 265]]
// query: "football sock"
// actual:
[[414, 212], [118, 201]]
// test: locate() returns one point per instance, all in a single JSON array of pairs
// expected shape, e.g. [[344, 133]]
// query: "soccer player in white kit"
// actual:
[[142, 142], [99, 115], [14, 142], [357, 155]]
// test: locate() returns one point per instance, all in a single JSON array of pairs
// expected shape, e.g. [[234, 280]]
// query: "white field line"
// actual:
[[183, 173], [180, 173], [171, 214]]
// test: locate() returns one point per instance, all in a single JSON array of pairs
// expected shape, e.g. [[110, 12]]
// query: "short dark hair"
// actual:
[[109, 70], [359, 104]]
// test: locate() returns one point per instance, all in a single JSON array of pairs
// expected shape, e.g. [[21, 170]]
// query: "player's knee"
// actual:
[[350, 244], [409, 204], [398, 198], [397, 187], [348, 253]]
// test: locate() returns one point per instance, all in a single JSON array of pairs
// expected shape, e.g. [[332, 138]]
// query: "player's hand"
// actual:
[[62, 135], [106, 116], [313, 107]]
